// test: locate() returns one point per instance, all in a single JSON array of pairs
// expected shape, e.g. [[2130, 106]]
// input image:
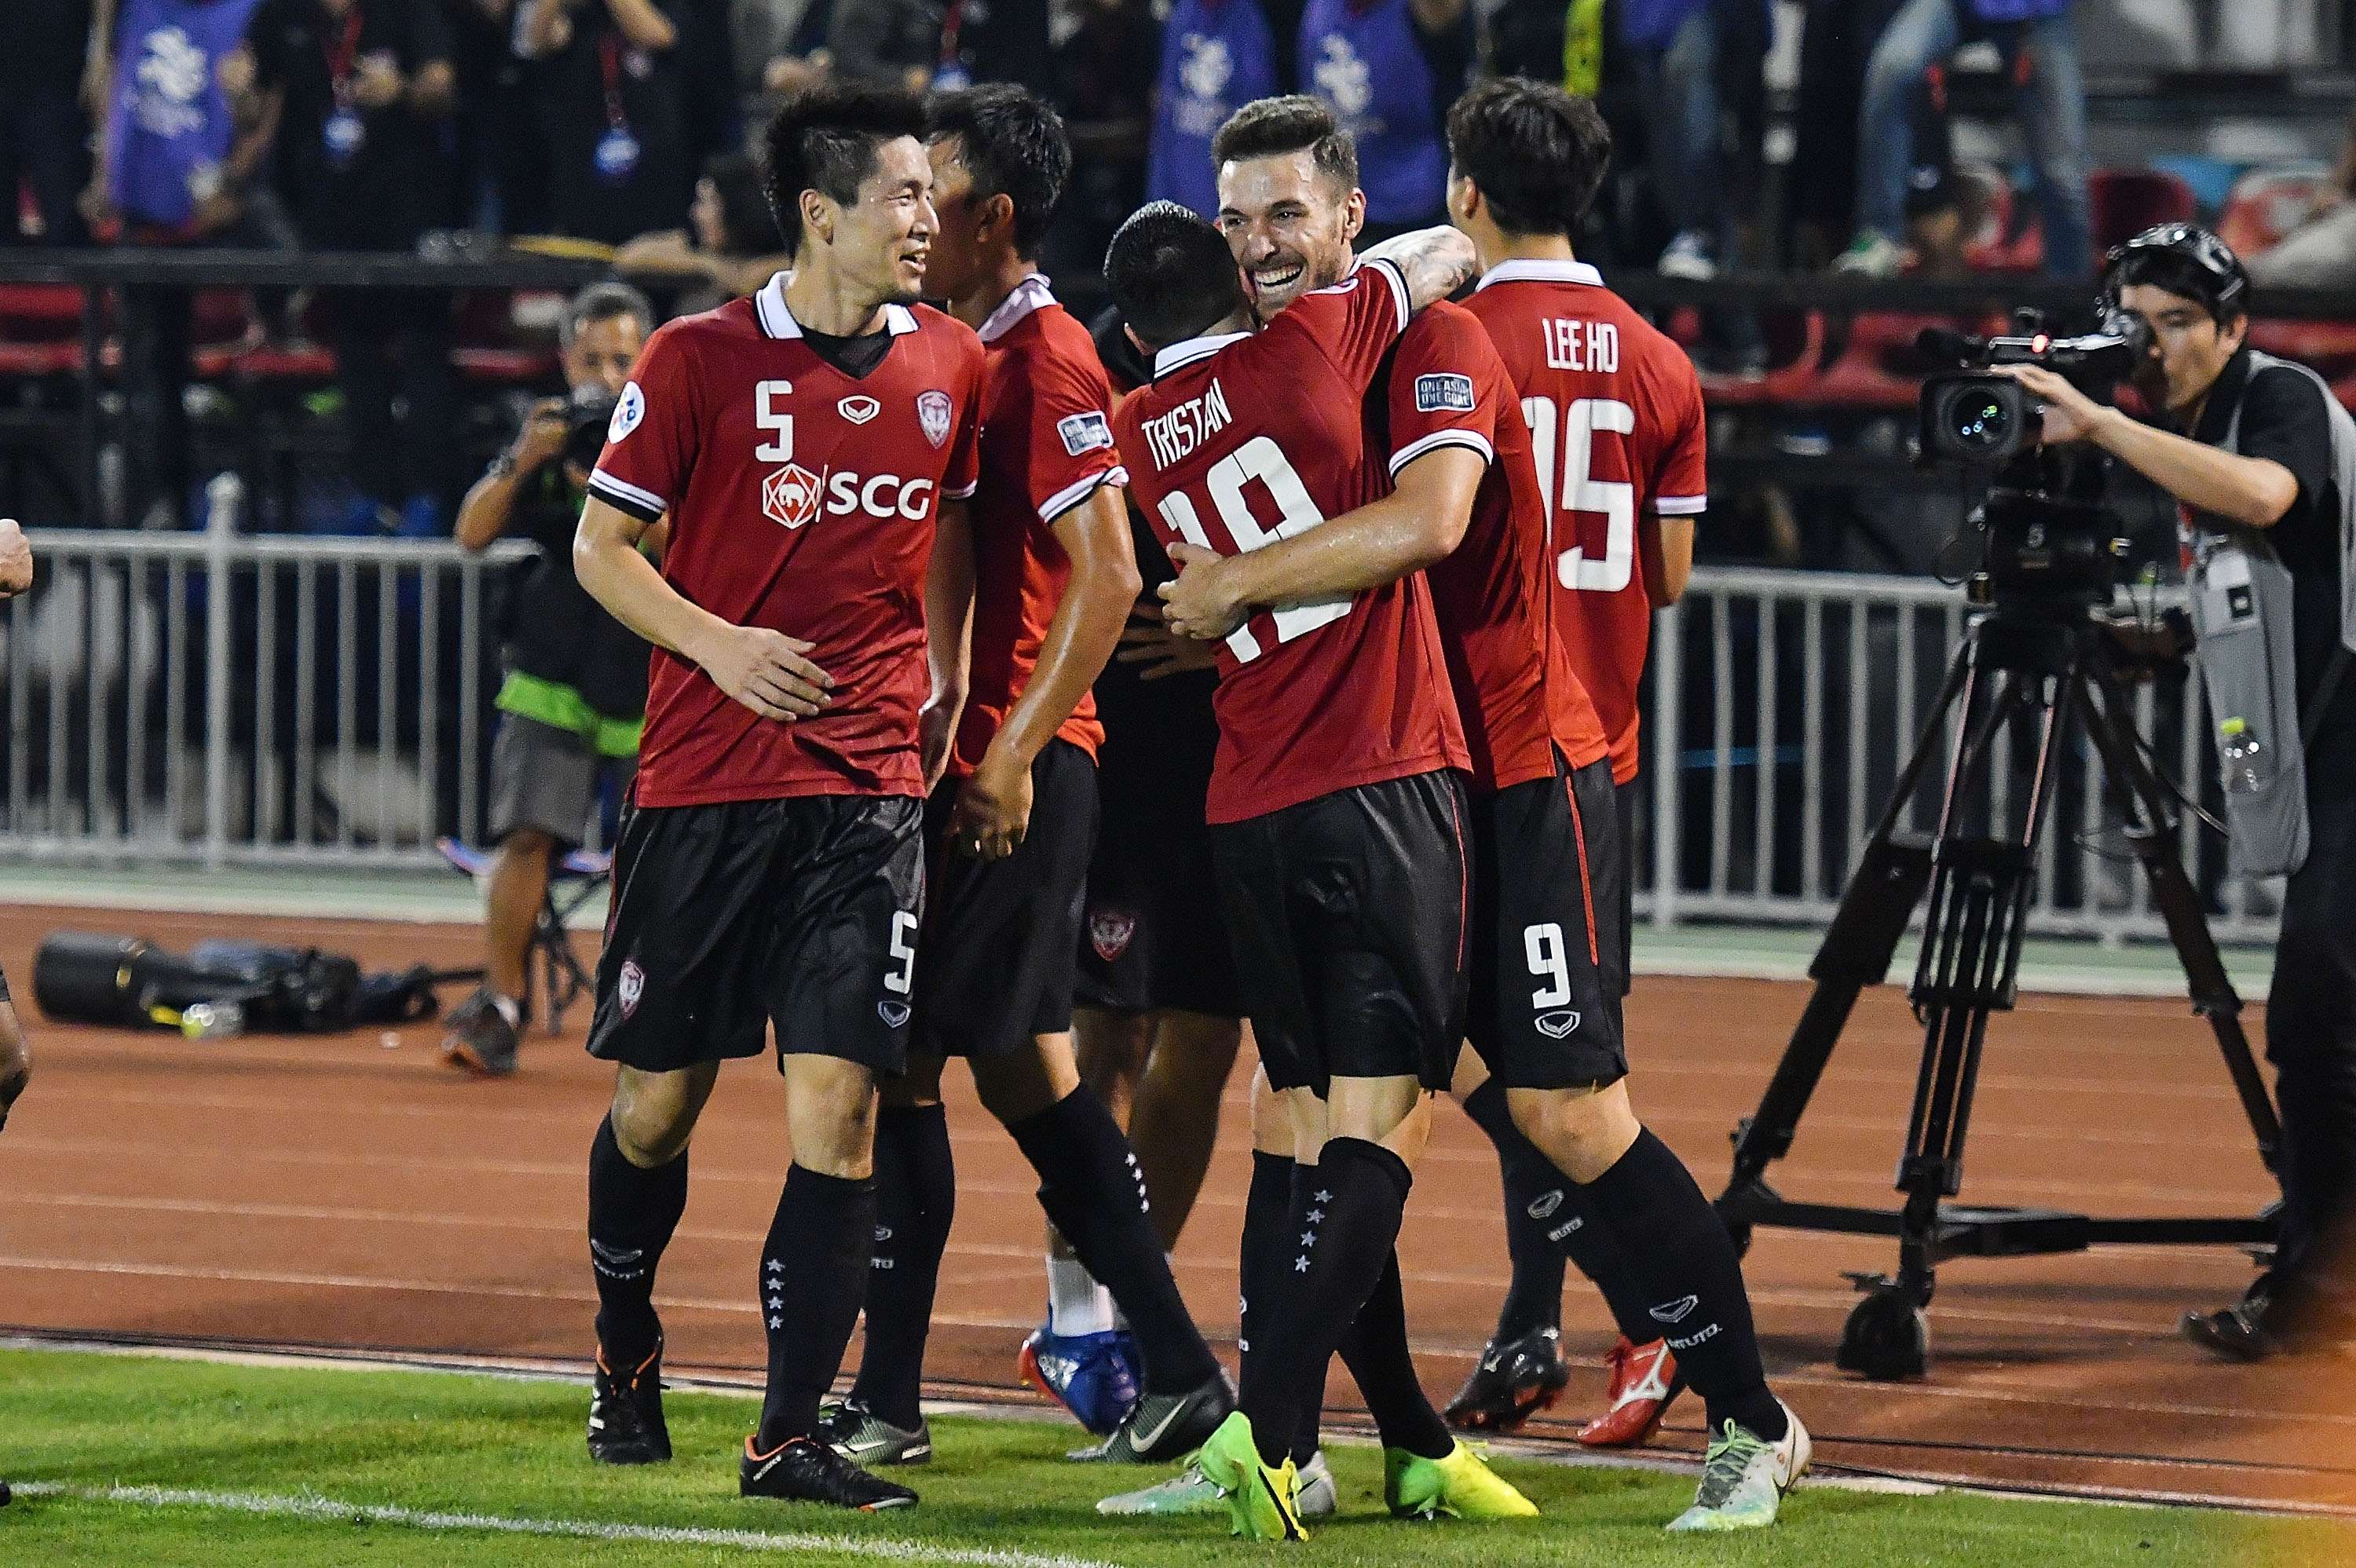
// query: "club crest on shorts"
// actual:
[[894, 1014], [629, 985], [1110, 931], [859, 409], [933, 416], [1558, 1025]]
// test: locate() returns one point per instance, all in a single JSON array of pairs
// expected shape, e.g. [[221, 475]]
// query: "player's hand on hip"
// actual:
[[1197, 600], [1148, 641], [15, 559], [768, 672], [993, 808]]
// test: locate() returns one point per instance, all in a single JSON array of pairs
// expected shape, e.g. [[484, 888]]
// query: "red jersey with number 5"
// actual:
[[800, 498], [1249, 438], [1514, 687], [1614, 412]]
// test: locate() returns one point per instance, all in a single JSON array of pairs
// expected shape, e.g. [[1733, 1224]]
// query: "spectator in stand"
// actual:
[[996, 41], [43, 74], [1390, 68], [181, 141], [1217, 57], [2320, 254], [1104, 65], [498, 167], [780, 45], [2040, 48], [360, 92], [731, 245], [612, 113], [890, 43], [1692, 57]]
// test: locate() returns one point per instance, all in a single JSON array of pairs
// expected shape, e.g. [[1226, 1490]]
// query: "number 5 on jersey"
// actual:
[[1571, 433]]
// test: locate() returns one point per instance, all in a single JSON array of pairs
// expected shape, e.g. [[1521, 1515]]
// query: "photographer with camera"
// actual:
[[2262, 461]]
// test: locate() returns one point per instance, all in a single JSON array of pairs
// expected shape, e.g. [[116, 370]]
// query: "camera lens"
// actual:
[[1980, 420]]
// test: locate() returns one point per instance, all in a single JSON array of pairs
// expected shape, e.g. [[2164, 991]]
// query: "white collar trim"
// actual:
[[1543, 272], [778, 321], [1030, 295], [1180, 355]]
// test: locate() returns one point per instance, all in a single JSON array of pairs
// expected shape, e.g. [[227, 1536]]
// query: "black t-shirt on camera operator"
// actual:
[[2286, 419], [613, 118], [354, 178], [554, 630]]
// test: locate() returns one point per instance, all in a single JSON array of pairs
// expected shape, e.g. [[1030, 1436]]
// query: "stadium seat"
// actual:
[[2126, 202], [2266, 204]]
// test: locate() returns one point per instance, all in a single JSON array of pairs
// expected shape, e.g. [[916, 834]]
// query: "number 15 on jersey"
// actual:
[[1562, 441]]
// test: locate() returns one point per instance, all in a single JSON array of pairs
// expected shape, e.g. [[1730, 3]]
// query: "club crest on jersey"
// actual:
[[1443, 394], [629, 985], [933, 416], [790, 497], [859, 409], [1084, 433], [1110, 931], [628, 410], [1558, 1025]]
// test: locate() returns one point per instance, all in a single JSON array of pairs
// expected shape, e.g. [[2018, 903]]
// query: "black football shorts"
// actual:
[[1348, 916], [1002, 936], [1154, 934], [1545, 1006], [1615, 887], [800, 914]]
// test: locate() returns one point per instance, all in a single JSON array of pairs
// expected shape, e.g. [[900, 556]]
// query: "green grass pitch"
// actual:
[[139, 1460]]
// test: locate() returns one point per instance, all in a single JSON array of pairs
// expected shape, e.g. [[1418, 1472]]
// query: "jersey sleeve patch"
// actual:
[[1084, 433], [629, 412], [1443, 394]]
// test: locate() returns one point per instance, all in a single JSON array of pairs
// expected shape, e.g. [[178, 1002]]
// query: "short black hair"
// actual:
[[1015, 146], [602, 301], [824, 138], [2182, 276], [1271, 127], [1537, 154], [1171, 274]]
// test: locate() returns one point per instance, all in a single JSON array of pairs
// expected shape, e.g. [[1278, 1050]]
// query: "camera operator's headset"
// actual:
[[2193, 244]]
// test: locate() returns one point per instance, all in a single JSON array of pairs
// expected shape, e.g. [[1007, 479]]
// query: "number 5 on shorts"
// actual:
[[903, 952]]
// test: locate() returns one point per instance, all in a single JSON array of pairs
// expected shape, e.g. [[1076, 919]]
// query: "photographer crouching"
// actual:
[[2262, 461]]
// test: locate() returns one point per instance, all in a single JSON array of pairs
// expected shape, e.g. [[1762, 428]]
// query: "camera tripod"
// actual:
[[2040, 669]]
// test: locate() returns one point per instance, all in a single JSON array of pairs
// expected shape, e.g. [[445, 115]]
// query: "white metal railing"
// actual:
[[1779, 709], [229, 699]]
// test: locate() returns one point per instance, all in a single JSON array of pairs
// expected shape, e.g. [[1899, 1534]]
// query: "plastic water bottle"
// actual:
[[2237, 745]]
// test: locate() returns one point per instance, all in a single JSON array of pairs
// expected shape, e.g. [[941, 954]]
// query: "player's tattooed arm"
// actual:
[[948, 636], [765, 670], [1436, 263], [1418, 523]]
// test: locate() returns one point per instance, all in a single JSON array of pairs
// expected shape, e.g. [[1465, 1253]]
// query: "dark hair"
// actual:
[[2184, 260], [747, 227], [824, 138], [602, 301], [1015, 146], [1271, 127], [1171, 274], [1537, 152]]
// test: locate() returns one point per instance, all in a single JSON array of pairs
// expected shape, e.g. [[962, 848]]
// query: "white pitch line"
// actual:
[[329, 1509]]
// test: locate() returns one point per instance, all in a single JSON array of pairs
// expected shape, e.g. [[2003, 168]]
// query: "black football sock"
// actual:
[[915, 1197], [1374, 1349], [1090, 1186], [1687, 1263], [1309, 1431], [632, 1212], [1552, 1214], [1348, 1220], [1534, 1296], [812, 1269], [1265, 1274]]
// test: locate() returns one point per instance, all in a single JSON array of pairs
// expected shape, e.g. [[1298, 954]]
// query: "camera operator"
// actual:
[[2262, 461]]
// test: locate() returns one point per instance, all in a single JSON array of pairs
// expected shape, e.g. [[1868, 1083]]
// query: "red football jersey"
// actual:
[[1615, 418], [802, 499], [1513, 683], [1247, 438], [1047, 446]]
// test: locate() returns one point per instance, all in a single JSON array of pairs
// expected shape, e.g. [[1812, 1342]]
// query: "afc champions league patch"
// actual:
[[1443, 394], [629, 412], [1110, 931], [1084, 433], [933, 416], [629, 985]]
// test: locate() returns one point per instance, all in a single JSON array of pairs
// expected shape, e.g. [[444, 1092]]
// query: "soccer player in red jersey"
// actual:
[[801, 444], [1045, 581], [1615, 420], [1339, 831]]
